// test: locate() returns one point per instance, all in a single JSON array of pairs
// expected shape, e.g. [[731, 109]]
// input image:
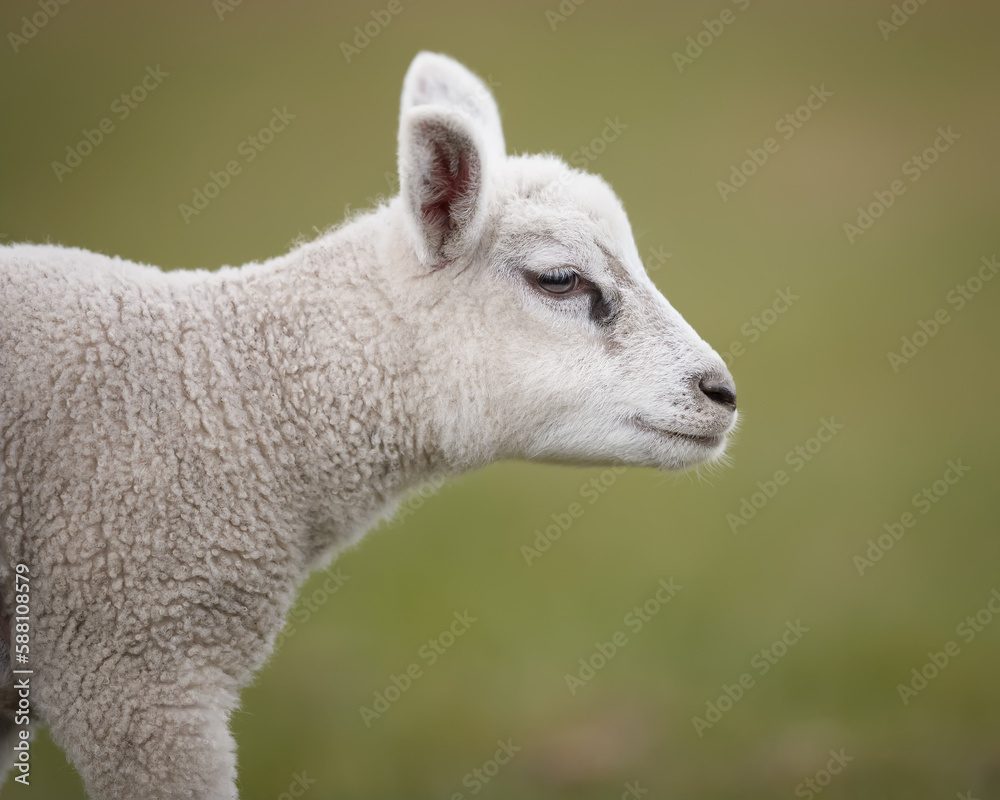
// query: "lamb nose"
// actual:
[[719, 388]]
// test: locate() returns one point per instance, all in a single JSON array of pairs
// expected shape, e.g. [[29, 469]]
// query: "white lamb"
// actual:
[[180, 449]]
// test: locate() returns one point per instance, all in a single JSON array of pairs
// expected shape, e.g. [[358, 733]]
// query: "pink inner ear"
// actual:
[[448, 189]]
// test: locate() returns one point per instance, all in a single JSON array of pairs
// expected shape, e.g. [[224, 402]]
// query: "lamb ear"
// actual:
[[441, 180], [436, 80]]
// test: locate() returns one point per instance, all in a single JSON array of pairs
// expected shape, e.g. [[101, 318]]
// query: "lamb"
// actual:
[[181, 449]]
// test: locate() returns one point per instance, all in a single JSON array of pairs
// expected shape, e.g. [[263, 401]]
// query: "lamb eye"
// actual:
[[559, 281]]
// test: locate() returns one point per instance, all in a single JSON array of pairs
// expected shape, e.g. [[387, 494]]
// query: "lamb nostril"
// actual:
[[719, 389]]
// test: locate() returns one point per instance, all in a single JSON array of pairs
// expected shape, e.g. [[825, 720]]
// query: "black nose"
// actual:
[[719, 389]]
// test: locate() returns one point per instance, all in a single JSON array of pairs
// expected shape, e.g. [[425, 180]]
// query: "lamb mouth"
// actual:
[[702, 440]]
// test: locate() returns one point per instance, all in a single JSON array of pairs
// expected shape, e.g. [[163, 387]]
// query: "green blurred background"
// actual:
[[557, 77]]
